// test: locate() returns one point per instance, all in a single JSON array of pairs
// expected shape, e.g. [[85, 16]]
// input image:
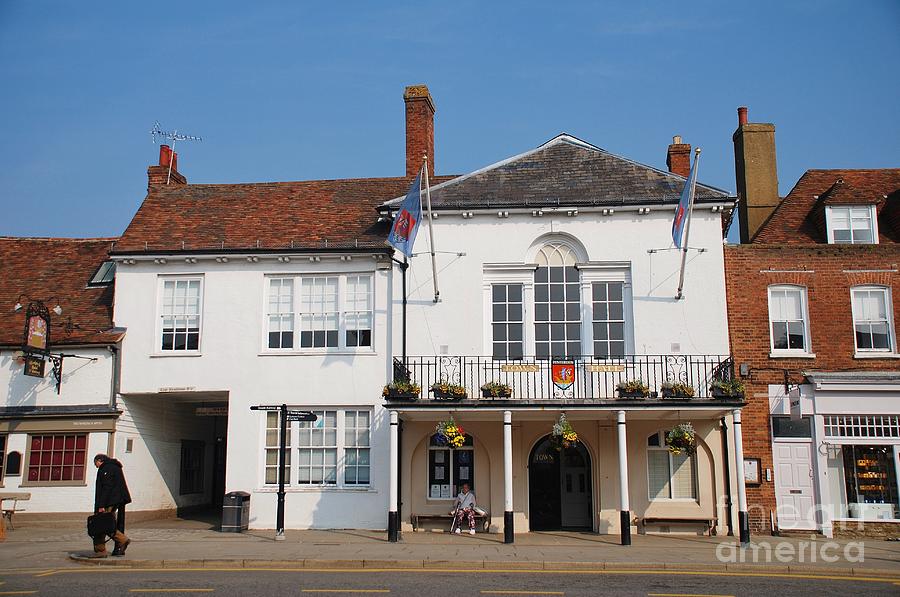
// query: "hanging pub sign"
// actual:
[[34, 365], [37, 329]]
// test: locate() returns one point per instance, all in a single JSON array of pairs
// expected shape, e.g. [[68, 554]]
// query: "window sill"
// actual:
[[307, 353], [53, 484], [674, 501], [176, 353], [777, 354], [318, 489], [876, 355]]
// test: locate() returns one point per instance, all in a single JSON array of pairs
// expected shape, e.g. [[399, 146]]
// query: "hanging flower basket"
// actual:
[[677, 390], [495, 389], [449, 433], [448, 391], [682, 439], [401, 390], [563, 434]]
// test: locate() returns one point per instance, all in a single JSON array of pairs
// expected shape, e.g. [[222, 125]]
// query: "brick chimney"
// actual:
[[678, 158], [419, 129], [159, 174], [756, 175]]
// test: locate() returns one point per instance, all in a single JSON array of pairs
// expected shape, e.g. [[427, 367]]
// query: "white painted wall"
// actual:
[[233, 362], [85, 382], [697, 323]]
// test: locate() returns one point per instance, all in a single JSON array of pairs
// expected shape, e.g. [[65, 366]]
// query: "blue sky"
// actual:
[[293, 91]]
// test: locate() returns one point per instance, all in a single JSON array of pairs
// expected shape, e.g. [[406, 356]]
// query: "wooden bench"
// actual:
[[710, 522], [9, 509], [483, 519]]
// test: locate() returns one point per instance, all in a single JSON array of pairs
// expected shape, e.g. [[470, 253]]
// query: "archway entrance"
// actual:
[[559, 487]]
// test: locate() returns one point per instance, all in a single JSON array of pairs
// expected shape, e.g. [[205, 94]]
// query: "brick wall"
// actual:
[[827, 272]]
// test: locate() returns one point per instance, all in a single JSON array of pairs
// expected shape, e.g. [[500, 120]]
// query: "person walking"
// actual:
[[465, 508], [111, 494]]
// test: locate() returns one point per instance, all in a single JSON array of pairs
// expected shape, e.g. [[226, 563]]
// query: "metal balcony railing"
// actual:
[[592, 378]]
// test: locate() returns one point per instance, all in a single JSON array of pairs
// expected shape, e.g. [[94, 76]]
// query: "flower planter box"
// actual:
[[623, 395], [402, 396], [439, 395], [670, 394], [719, 395], [499, 394]]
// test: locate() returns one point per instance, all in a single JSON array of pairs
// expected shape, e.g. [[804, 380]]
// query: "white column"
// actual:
[[743, 516], [624, 506], [508, 530], [393, 522]]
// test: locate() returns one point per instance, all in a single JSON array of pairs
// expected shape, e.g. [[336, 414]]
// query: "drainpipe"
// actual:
[[727, 462], [116, 375]]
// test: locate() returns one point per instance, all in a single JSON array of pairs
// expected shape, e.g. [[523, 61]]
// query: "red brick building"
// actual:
[[812, 328]]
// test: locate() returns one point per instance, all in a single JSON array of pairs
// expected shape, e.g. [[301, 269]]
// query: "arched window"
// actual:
[[669, 476], [449, 468], [557, 302]]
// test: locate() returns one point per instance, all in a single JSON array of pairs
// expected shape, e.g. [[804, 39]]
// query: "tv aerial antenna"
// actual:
[[174, 136]]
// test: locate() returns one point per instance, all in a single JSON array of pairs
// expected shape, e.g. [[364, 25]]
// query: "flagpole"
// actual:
[[437, 293], [687, 225], [403, 267]]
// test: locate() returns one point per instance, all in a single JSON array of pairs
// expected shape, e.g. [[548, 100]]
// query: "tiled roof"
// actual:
[[56, 268], [565, 172], [308, 215], [797, 220]]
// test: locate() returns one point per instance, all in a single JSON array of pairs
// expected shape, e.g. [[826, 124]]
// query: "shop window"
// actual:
[[56, 459], [849, 426], [449, 468], [670, 476], [507, 321], [192, 456], [864, 481]]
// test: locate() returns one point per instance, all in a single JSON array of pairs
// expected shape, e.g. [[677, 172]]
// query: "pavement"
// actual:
[[197, 544]]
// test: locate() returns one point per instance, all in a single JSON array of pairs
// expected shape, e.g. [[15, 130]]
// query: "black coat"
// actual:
[[111, 489]]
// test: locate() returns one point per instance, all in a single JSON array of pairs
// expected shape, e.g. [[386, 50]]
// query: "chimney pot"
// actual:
[[159, 175], [678, 157], [742, 115]]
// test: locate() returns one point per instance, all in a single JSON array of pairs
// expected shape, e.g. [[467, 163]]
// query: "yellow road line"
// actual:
[[17, 592], [345, 591], [685, 595], [626, 572], [510, 592], [170, 590]]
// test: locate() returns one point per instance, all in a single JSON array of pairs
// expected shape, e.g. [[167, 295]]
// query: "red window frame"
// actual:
[[57, 458]]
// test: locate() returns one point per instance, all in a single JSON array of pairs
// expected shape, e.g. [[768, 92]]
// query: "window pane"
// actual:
[[682, 476], [658, 473]]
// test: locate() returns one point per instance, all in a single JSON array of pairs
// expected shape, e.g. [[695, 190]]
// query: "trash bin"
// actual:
[[236, 512]]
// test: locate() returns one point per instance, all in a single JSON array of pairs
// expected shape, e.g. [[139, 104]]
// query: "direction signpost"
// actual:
[[285, 417]]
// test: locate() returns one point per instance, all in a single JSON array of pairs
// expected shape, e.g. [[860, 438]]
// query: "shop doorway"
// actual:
[[559, 487]]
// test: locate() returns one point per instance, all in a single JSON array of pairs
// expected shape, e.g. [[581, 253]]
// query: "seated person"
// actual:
[[465, 508]]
